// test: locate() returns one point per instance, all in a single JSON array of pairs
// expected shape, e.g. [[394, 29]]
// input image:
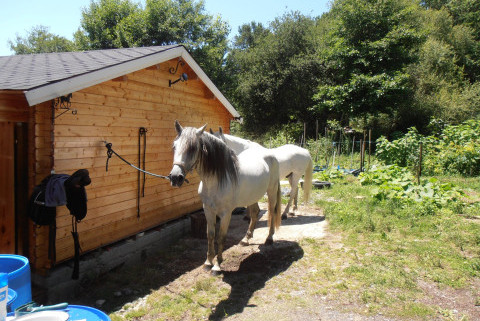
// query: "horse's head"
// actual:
[[219, 134], [186, 149]]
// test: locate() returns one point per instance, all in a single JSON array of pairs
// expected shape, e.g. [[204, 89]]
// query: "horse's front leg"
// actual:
[[222, 233], [253, 211], [211, 220], [273, 198]]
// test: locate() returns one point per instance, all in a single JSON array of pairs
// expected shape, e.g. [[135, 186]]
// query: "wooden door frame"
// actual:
[[21, 160], [7, 188]]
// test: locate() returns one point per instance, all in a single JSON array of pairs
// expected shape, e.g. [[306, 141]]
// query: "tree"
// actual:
[[122, 23], [368, 48], [277, 72], [447, 70], [110, 24], [249, 34], [39, 40]]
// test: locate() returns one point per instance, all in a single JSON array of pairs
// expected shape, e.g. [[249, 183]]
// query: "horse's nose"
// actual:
[[177, 180], [176, 177]]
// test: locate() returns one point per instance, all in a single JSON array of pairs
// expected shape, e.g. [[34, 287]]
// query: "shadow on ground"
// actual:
[[129, 283], [252, 274]]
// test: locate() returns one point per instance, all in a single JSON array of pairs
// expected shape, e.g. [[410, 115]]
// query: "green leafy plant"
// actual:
[[455, 150], [395, 182], [329, 175]]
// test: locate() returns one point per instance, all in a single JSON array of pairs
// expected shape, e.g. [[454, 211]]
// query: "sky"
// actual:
[[63, 16]]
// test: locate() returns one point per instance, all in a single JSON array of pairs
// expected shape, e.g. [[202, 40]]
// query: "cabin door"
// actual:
[[7, 188], [13, 188]]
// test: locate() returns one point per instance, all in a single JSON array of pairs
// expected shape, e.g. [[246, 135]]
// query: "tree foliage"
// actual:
[[369, 47], [122, 23], [276, 71], [38, 40]]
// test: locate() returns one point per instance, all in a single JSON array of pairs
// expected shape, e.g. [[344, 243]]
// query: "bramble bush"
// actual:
[[455, 150]]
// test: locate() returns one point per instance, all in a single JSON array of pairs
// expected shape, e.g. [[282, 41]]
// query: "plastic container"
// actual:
[[3, 295], [80, 312], [12, 296], [75, 312], [19, 279]]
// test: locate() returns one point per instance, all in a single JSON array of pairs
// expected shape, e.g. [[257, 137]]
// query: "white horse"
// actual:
[[227, 181], [294, 162]]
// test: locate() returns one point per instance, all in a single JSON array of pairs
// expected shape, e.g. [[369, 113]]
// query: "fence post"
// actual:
[[420, 163], [369, 146], [361, 155], [304, 134]]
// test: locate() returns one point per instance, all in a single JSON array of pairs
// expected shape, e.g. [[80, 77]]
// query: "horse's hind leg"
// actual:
[[222, 233], [295, 199], [253, 211], [293, 180]]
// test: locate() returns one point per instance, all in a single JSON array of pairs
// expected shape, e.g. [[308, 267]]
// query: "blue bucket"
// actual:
[[11, 297], [81, 312], [18, 270]]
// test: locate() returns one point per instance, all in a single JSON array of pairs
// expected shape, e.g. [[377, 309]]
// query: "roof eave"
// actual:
[[59, 88], [47, 92]]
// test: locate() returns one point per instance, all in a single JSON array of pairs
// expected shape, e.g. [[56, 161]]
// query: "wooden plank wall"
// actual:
[[113, 111]]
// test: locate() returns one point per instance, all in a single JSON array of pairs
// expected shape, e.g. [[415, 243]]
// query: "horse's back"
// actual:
[[292, 158], [255, 174]]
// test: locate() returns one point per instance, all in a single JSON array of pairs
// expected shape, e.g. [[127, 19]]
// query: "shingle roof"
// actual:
[[46, 76], [24, 72]]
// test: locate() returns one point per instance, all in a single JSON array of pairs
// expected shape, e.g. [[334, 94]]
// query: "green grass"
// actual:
[[389, 245]]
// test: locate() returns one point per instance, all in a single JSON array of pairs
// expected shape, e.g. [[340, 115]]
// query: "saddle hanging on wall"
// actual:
[[58, 190]]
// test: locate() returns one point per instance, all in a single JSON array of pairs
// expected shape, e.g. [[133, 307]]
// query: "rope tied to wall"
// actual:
[[111, 152]]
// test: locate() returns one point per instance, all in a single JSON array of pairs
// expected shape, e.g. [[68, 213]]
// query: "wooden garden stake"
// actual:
[[420, 163]]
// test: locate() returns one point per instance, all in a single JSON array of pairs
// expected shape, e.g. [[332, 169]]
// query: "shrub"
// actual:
[[455, 150]]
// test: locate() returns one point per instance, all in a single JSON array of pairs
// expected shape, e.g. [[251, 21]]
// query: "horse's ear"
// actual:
[[211, 131], [220, 131], [178, 127], [200, 130]]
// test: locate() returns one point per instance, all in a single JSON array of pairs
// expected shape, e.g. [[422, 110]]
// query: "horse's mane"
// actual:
[[215, 157]]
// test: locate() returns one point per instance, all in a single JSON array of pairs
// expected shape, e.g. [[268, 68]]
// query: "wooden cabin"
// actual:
[[56, 112]]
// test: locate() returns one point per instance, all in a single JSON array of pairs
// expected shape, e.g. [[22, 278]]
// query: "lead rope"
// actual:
[[110, 152]]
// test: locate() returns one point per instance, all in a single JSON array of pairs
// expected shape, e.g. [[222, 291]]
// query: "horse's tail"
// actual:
[[278, 207], [307, 181]]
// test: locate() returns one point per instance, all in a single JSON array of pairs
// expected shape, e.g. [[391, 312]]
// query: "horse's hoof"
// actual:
[[284, 216], [207, 267], [216, 271], [269, 242]]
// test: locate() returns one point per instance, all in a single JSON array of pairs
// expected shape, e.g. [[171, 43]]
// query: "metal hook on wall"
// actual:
[[172, 70]]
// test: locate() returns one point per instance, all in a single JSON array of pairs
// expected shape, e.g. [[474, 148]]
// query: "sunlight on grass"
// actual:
[[387, 246]]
